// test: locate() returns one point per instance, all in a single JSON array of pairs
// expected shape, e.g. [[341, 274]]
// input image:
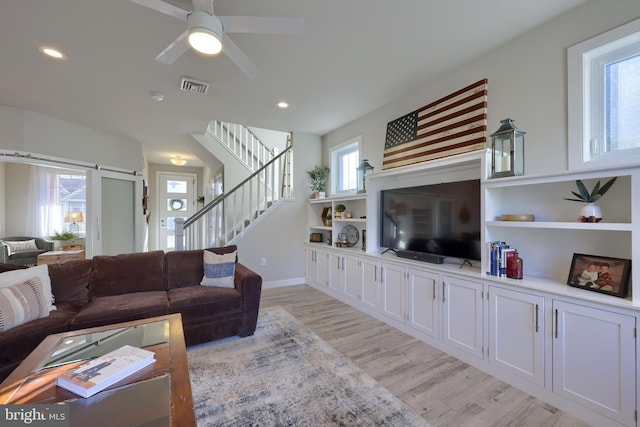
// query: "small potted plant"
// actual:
[[319, 176], [590, 212], [339, 209], [65, 236]]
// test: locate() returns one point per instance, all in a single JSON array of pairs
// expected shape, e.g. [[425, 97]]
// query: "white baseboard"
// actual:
[[282, 283]]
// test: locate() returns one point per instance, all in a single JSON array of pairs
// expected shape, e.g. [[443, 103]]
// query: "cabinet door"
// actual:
[[393, 295], [322, 260], [462, 315], [422, 298], [369, 279], [516, 333], [311, 270], [351, 276], [594, 359], [336, 272]]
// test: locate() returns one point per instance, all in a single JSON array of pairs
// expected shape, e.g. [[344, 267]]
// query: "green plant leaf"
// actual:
[[607, 186], [584, 193]]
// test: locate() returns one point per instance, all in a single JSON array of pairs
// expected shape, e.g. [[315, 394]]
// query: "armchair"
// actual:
[[23, 257]]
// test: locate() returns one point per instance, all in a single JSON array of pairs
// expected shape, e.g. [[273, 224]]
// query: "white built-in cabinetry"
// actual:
[[516, 333], [573, 348]]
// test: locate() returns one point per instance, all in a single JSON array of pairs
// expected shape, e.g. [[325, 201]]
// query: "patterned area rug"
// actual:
[[285, 375]]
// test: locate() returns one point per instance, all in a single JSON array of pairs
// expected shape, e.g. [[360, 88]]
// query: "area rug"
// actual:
[[285, 375]]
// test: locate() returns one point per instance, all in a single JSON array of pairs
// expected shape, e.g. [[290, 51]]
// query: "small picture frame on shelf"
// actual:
[[600, 274], [326, 217]]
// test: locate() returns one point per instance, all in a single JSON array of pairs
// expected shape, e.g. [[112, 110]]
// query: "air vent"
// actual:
[[192, 85]]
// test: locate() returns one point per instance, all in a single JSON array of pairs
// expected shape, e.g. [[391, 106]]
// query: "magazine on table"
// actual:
[[97, 374]]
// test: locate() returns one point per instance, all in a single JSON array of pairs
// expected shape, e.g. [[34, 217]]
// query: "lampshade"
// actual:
[[178, 161], [205, 32], [73, 217]]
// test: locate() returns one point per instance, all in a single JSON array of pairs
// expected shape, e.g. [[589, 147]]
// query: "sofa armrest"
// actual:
[[43, 244], [4, 253], [249, 284]]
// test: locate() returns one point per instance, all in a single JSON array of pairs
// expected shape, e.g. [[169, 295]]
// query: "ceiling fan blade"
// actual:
[[206, 5], [239, 58], [261, 25], [166, 8], [175, 50]]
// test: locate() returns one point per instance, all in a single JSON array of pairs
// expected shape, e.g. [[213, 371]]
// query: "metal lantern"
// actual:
[[507, 150], [363, 170]]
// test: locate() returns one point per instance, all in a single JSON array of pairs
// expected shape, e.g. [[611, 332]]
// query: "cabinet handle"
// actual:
[[343, 263], [537, 324], [375, 273], [338, 263], [434, 290], [444, 293], [556, 333], [381, 274]]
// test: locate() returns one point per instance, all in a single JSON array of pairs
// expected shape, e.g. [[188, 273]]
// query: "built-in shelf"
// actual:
[[581, 226]]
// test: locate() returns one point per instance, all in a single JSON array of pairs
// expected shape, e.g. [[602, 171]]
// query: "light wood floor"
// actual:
[[439, 387]]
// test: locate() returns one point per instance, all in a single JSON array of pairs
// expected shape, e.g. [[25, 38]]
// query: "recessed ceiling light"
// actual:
[[157, 96], [52, 52], [283, 104]]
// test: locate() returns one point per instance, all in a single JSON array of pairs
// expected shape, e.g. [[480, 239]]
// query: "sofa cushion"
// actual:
[[219, 270], [18, 342], [184, 268], [13, 277], [121, 308], [70, 280], [22, 245], [122, 274], [203, 301], [22, 303]]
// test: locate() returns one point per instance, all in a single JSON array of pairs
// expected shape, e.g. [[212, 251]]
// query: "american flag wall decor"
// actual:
[[451, 125]]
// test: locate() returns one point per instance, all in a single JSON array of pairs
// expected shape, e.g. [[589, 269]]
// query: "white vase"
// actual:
[[590, 213]]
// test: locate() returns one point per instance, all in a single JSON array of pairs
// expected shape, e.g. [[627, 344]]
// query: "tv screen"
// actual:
[[439, 219]]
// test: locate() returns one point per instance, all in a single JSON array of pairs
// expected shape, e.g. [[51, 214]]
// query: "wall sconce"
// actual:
[[74, 218], [178, 161], [363, 170], [507, 150]]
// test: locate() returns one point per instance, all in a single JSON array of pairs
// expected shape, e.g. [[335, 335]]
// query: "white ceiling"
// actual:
[[354, 56]]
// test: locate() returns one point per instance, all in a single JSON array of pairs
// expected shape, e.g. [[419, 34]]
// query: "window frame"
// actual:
[[584, 62], [337, 152]]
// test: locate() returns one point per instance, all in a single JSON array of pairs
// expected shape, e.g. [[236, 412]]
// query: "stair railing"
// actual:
[[226, 218], [242, 143]]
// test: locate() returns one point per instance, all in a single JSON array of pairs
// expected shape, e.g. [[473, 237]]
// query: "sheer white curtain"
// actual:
[[45, 210]]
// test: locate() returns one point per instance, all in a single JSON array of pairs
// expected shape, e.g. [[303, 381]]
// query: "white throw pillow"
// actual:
[[14, 277], [22, 245], [22, 303], [219, 269]]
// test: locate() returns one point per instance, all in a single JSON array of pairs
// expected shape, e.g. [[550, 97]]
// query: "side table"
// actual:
[[58, 257]]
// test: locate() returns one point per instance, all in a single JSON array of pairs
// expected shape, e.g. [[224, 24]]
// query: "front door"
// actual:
[[176, 199]]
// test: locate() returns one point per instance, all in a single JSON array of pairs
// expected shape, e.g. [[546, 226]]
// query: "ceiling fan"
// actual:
[[207, 32]]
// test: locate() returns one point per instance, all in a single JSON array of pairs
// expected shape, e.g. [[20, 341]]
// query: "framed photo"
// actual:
[[600, 274]]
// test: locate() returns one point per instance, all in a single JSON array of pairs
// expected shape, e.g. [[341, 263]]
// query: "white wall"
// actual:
[[26, 131], [280, 236], [527, 82]]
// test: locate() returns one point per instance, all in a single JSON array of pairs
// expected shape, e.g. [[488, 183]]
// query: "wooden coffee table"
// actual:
[[59, 257], [159, 394]]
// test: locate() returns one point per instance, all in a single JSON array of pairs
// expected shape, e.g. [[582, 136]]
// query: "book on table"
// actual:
[[97, 374]]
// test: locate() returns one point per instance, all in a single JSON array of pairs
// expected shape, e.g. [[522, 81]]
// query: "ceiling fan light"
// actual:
[[204, 42], [205, 32]]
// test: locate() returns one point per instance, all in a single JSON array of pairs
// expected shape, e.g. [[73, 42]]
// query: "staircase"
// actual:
[[242, 143], [227, 218]]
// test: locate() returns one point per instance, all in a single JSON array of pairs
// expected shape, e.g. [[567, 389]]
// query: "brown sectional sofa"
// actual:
[[112, 289]]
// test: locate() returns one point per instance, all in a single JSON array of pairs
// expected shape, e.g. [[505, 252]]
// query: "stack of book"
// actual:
[[498, 259], [95, 375]]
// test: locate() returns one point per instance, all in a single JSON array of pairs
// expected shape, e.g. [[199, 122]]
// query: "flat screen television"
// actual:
[[432, 222]]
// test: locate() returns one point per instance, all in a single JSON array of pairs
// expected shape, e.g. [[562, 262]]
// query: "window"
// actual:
[[58, 193], [604, 98], [344, 160]]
